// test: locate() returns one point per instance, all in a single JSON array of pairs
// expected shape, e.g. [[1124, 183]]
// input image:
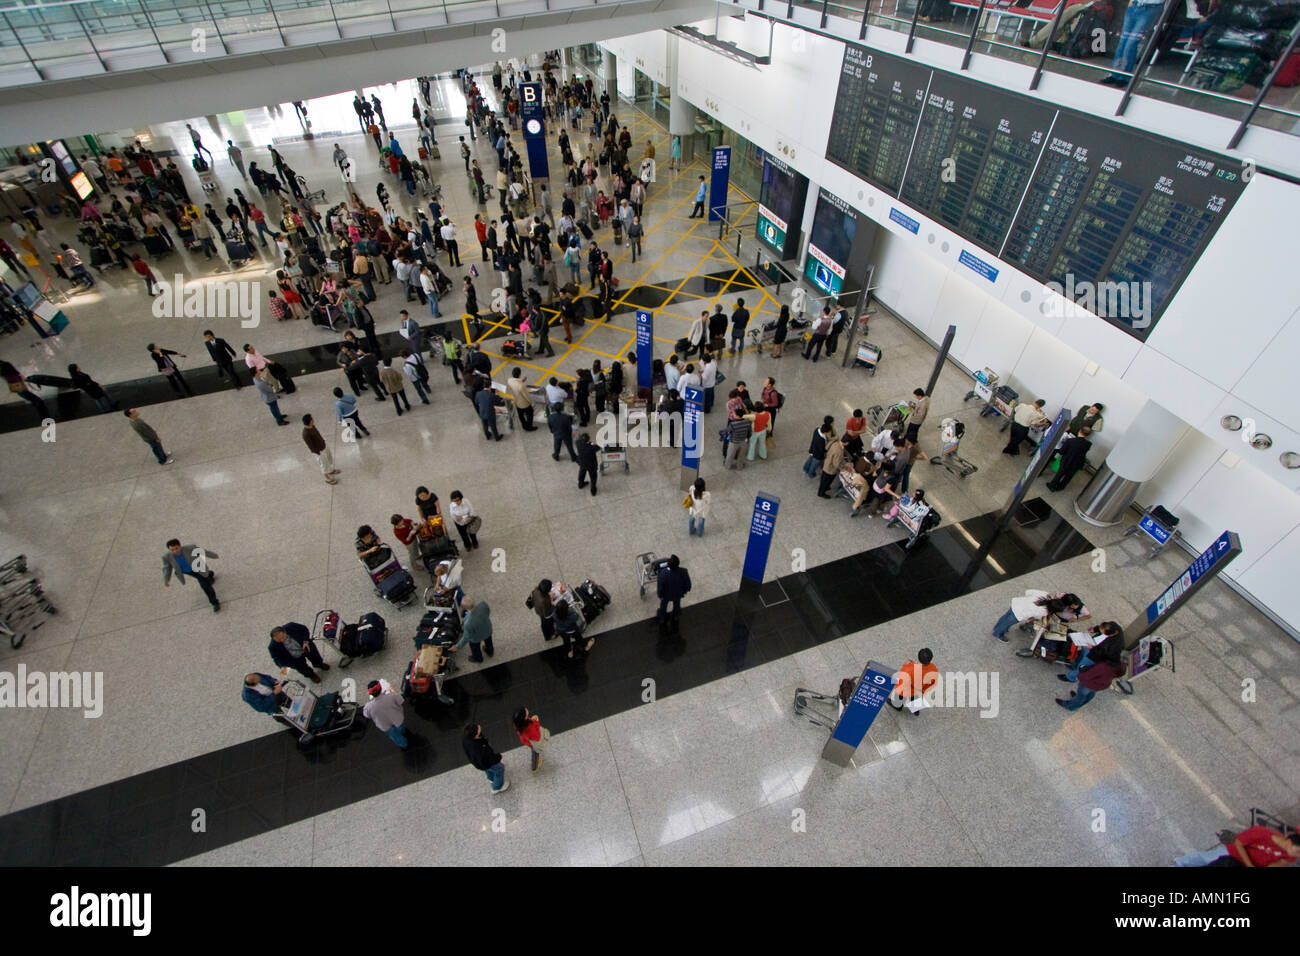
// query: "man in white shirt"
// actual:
[[385, 710], [554, 394], [449, 238], [1025, 417], [430, 288], [690, 379], [672, 372], [709, 380]]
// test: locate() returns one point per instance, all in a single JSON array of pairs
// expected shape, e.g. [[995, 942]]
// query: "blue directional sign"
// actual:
[[530, 111], [720, 182], [1210, 561], [761, 526], [872, 691], [645, 347], [691, 422]]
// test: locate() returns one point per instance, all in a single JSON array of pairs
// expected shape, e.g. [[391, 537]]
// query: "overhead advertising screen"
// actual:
[[780, 207], [82, 185], [835, 226], [1112, 217]]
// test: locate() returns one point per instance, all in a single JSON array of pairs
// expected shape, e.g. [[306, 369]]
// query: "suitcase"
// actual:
[[618, 231], [585, 230], [437, 153], [593, 599], [423, 153], [397, 586], [682, 346], [514, 348], [371, 634], [439, 625], [238, 250], [282, 376]]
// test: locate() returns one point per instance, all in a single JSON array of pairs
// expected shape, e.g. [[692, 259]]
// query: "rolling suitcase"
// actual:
[[423, 153], [585, 230], [397, 587], [682, 346], [618, 231], [436, 152], [371, 634], [282, 376]]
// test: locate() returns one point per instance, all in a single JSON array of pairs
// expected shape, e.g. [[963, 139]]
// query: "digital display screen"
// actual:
[[1113, 217], [81, 183]]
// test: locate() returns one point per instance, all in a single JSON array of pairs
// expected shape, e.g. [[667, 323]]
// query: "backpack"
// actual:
[[421, 370], [570, 257]]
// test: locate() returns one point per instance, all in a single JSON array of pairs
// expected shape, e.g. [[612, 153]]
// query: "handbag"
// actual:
[[474, 524], [688, 501], [720, 378]]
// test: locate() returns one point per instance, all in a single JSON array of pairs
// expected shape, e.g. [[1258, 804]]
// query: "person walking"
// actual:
[[413, 332], [141, 268], [265, 386], [697, 504], [913, 680], [103, 401], [149, 436], [345, 406], [192, 561], [487, 412], [429, 286], [1023, 419], [163, 359], [197, 140], [236, 157], [1093, 678], [466, 521], [291, 646], [822, 435], [717, 331], [540, 602], [476, 629], [481, 755], [1037, 605], [387, 712], [588, 462], [417, 373], [634, 234], [451, 353], [1074, 455], [760, 418], [368, 363], [560, 423], [223, 356], [518, 388], [532, 735], [698, 211], [315, 443], [394, 382], [674, 584], [739, 320], [781, 333]]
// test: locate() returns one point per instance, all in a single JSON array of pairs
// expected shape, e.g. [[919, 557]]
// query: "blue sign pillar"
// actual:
[[721, 180], [645, 347], [855, 720], [1199, 573], [761, 526], [530, 111], [692, 417]]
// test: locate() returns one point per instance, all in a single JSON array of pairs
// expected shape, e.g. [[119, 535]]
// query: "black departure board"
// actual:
[[975, 152], [1062, 196], [876, 114], [1109, 205]]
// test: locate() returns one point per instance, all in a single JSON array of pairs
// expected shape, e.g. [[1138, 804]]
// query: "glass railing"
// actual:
[[59, 40], [1218, 64]]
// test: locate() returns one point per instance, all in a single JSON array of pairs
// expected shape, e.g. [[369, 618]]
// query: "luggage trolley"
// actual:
[[917, 516], [613, 455], [1158, 525], [315, 715], [868, 356], [824, 710], [647, 569], [951, 432], [893, 417]]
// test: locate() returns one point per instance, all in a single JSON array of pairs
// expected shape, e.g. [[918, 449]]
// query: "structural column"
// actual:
[[1136, 458], [609, 67], [681, 116]]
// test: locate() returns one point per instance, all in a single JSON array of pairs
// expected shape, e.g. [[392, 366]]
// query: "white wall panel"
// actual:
[[1187, 395], [1271, 382]]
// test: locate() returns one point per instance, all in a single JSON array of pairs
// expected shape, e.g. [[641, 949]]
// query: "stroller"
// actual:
[[392, 582]]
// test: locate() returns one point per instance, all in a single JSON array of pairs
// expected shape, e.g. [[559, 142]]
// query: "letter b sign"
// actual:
[[530, 93]]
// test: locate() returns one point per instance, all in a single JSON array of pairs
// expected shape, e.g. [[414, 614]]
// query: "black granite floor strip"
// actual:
[[204, 380], [249, 789]]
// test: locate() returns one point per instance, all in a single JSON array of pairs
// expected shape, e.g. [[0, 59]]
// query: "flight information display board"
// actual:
[[1113, 208], [876, 113], [975, 152], [1066, 198]]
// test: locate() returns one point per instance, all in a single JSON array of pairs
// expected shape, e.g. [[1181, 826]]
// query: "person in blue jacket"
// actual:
[[262, 693], [674, 584]]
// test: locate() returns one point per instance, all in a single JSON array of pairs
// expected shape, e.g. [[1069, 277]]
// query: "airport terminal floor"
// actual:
[[667, 749]]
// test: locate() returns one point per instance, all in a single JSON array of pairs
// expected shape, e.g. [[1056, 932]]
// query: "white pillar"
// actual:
[[681, 118], [1137, 456], [609, 67]]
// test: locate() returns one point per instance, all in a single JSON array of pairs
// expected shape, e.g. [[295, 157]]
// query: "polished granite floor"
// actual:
[[713, 770]]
